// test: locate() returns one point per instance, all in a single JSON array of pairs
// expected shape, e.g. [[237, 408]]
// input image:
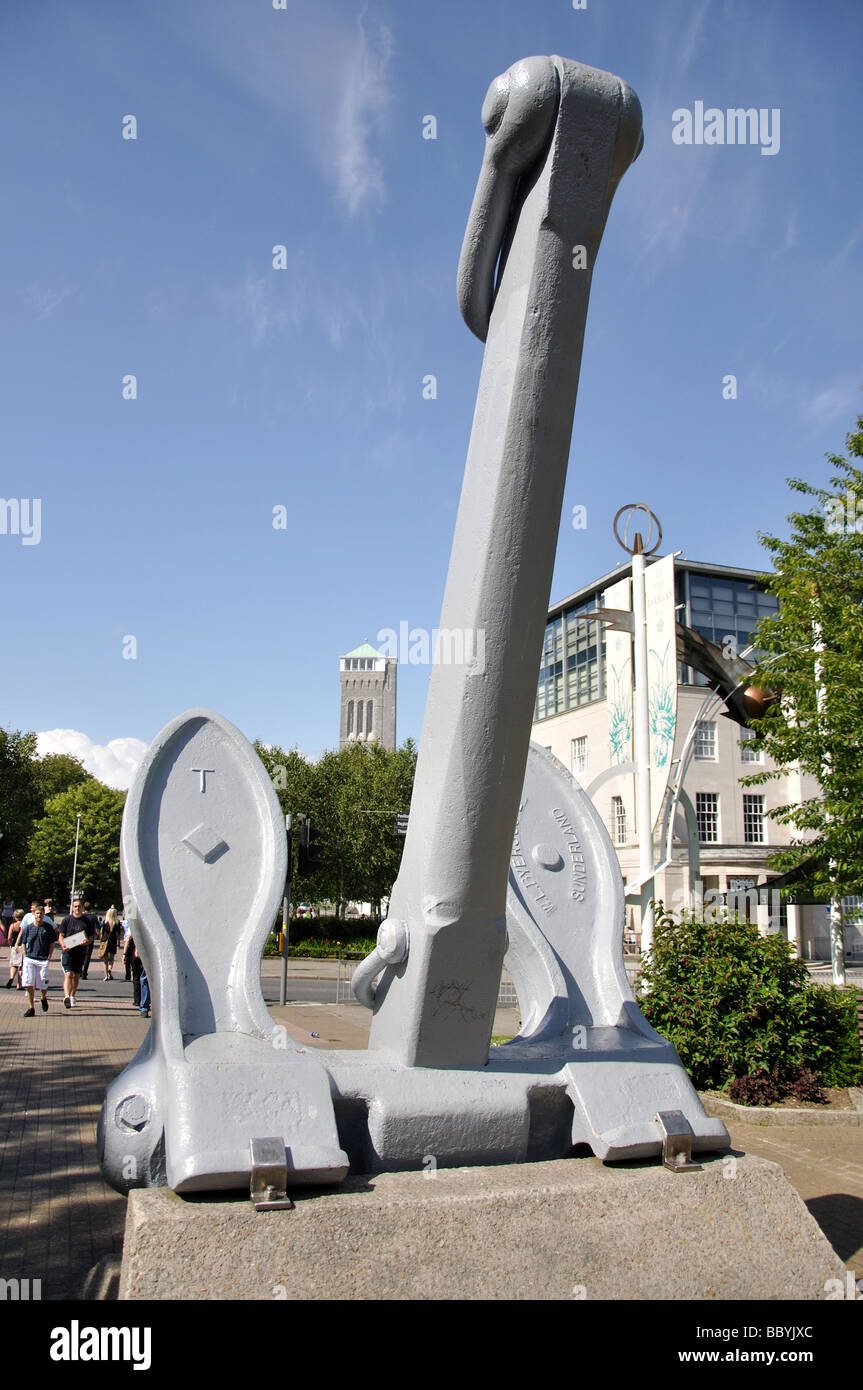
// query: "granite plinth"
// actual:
[[569, 1229]]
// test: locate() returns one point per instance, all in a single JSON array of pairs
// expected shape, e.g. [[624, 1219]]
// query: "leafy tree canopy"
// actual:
[[52, 846], [812, 653], [57, 772], [20, 803], [353, 796]]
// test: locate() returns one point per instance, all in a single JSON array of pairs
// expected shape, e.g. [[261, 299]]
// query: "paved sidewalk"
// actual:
[[57, 1216], [58, 1219]]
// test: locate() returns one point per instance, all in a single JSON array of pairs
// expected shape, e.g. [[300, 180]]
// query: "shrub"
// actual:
[[760, 1089], [807, 1086], [739, 1005], [321, 950]]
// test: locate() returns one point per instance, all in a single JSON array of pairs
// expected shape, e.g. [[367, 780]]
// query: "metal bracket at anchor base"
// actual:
[[268, 1182], [676, 1141]]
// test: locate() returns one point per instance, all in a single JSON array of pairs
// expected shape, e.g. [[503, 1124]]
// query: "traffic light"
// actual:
[[310, 856]]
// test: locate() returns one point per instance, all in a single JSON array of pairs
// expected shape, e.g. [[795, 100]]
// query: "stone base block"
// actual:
[[568, 1229]]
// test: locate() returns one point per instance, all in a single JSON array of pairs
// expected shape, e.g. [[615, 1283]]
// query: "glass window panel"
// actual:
[[707, 816]]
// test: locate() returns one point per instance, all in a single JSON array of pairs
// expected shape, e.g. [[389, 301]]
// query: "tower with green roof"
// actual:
[[368, 711]]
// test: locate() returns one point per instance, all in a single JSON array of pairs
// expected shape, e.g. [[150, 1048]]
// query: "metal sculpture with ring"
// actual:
[[638, 547]]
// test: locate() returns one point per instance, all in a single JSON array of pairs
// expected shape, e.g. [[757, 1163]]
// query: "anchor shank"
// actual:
[[437, 1007]]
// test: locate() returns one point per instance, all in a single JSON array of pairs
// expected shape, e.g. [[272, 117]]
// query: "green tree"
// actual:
[[353, 796], [52, 844], [364, 787], [20, 803], [812, 654], [57, 772]]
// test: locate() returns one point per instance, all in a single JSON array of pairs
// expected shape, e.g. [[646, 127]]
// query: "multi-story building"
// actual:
[[368, 692], [722, 835]]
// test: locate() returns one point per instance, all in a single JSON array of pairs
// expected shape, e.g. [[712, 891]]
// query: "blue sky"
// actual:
[[302, 387]]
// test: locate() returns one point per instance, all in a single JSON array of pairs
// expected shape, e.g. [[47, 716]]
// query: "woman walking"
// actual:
[[109, 936], [16, 952]]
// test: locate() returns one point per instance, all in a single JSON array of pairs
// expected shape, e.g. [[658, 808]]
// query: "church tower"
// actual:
[[368, 712]]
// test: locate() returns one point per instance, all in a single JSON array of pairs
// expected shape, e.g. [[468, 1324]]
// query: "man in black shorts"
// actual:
[[74, 956]]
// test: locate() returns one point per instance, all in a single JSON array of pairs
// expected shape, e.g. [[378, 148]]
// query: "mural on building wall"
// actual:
[[618, 678], [662, 675]]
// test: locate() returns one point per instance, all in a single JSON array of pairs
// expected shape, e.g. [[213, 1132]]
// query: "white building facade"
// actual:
[[722, 836]]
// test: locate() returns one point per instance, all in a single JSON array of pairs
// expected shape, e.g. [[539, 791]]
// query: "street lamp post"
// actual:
[[75, 861], [640, 712]]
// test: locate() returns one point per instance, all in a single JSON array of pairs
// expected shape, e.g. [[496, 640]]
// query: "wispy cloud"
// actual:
[[44, 300], [692, 37], [839, 257], [839, 402], [365, 96], [324, 79]]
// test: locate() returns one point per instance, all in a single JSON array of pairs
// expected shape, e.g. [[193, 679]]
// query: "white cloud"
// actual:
[[114, 763], [364, 97], [838, 402], [317, 74], [691, 39]]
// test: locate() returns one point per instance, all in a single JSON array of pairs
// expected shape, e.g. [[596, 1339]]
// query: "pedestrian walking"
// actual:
[[144, 987], [109, 936], [16, 950], [39, 939], [88, 951], [128, 949], [7, 911], [28, 916], [77, 932], [136, 967]]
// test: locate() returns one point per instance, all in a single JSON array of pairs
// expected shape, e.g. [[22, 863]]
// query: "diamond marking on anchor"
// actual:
[[205, 842]]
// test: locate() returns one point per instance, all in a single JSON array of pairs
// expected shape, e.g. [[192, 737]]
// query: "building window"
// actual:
[[579, 754], [570, 671], [350, 716], [368, 717], [782, 925], [753, 820], [705, 741], [852, 916], [618, 820], [707, 816], [359, 716], [727, 611], [749, 750]]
